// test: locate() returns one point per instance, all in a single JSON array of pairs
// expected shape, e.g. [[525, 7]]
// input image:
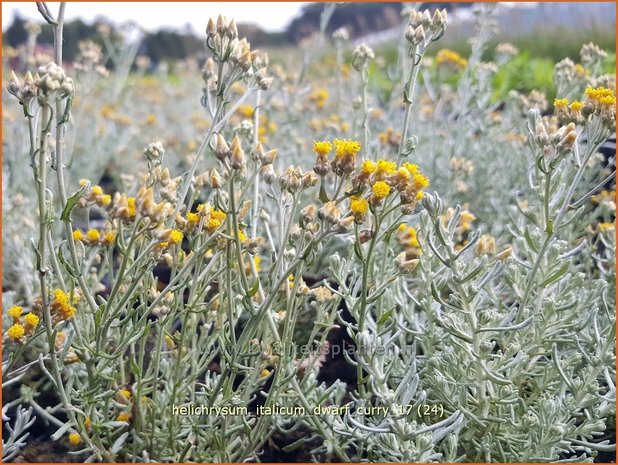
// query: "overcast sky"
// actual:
[[270, 16]]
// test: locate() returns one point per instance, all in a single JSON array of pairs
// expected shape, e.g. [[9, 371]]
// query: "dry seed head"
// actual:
[[415, 19], [425, 18], [310, 179], [269, 157], [409, 34], [160, 211], [211, 28], [216, 181], [322, 294], [154, 152], [506, 49], [61, 338], [237, 157], [244, 209], [289, 254], [506, 253], [231, 31], [253, 245], [542, 139], [222, 150], [291, 179], [209, 70], [240, 57], [262, 80], [419, 36], [330, 212], [28, 91], [53, 80], [341, 34], [257, 152], [14, 86], [486, 245], [307, 214], [361, 55], [295, 232], [268, 174], [221, 24], [346, 223], [567, 142], [365, 235], [405, 266], [437, 20], [260, 73]]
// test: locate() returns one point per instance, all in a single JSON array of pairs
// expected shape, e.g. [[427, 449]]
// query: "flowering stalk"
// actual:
[[420, 32], [256, 181], [361, 57]]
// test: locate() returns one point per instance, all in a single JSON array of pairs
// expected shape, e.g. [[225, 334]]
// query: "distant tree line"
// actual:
[[170, 45]]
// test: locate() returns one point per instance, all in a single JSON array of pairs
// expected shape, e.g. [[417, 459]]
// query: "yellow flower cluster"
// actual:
[[486, 245], [384, 167], [266, 127], [576, 106], [131, 207], [193, 218], [21, 328], [450, 59], [246, 111], [74, 439], [359, 205], [568, 113], [332, 123], [16, 332], [322, 148], [600, 101], [95, 237], [168, 237], [605, 197], [464, 225], [96, 195], [380, 189], [408, 240], [124, 207], [606, 227], [344, 160], [32, 321], [175, 237], [383, 176], [189, 223], [345, 156], [368, 167], [62, 306], [217, 217], [390, 138], [15, 312], [99, 197], [601, 96], [359, 208], [346, 148], [319, 97], [124, 416], [110, 113]]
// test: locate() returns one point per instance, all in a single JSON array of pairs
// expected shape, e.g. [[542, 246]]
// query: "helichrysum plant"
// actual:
[[449, 257]]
